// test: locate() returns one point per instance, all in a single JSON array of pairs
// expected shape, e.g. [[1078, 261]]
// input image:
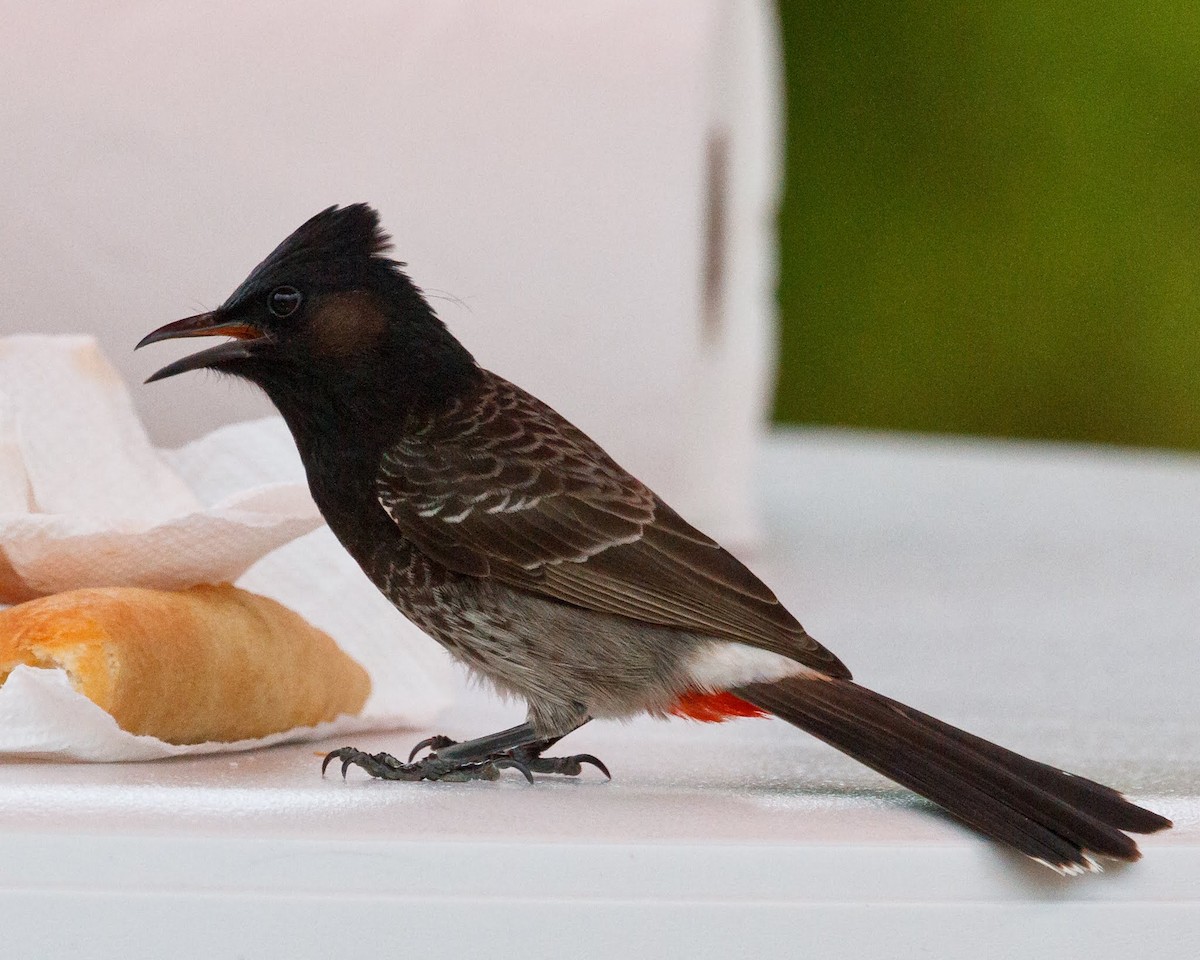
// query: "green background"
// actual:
[[992, 218]]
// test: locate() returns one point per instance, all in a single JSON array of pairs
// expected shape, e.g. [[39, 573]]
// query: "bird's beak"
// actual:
[[205, 325]]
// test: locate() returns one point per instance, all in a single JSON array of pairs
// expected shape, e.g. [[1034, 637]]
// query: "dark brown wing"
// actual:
[[500, 485]]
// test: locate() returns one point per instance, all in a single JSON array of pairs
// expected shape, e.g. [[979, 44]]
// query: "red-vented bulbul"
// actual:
[[516, 542]]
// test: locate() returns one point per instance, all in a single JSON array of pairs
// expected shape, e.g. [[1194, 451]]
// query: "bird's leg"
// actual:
[[483, 758], [480, 759], [386, 767]]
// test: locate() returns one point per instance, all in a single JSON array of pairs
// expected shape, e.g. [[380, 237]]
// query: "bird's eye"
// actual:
[[284, 301]]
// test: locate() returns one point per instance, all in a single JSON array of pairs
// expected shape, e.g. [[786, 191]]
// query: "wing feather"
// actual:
[[500, 485]]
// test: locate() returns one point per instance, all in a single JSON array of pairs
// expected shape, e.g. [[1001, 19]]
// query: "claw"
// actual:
[[427, 742], [594, 761], [340, 752], [436, 742], [502, 763]]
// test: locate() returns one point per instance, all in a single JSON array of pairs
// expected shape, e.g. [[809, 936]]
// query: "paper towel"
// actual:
[[86, 500]]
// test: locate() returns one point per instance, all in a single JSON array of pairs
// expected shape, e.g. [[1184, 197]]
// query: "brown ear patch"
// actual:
[[346, 323]]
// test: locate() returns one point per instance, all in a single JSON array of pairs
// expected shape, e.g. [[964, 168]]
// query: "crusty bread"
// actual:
[[209, 663]]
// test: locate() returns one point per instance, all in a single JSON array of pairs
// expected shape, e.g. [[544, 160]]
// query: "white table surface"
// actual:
[[1042, 596]]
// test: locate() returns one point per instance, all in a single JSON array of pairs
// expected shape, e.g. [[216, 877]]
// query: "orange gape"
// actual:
[[714, 707]]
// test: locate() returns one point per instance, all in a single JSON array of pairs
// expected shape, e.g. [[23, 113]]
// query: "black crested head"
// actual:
[[328, 324]]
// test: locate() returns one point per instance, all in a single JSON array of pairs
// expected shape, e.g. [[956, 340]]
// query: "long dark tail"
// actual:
[[1052, 816]]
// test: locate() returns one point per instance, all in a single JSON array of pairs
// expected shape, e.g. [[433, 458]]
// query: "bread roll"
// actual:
[[210, 663]]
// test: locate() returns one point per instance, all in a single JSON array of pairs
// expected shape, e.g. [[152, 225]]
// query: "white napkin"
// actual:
[[86, 500]]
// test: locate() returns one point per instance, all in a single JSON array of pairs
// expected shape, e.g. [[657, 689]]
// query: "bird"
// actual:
[[514, 540]]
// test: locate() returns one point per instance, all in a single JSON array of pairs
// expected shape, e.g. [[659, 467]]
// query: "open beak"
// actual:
[[205, 325]]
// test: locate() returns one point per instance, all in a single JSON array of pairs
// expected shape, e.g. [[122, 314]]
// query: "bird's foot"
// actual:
[[526, 759], [384, 766]]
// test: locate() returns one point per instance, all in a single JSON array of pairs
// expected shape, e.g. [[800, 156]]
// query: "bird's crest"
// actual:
[[339, 247]]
